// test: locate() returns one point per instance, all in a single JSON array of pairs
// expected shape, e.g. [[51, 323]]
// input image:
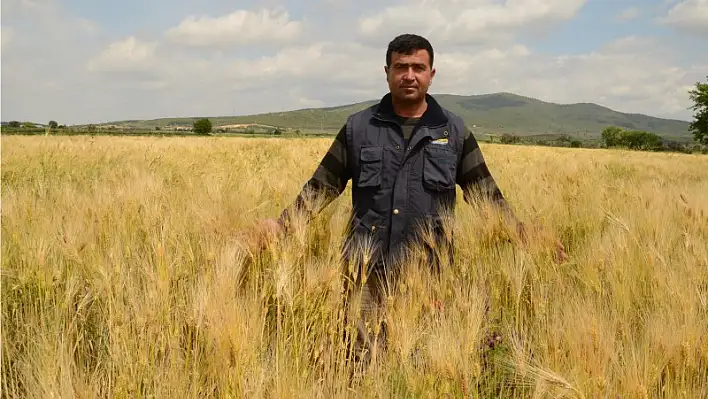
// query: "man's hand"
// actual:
[[257, 238], [560, 254]]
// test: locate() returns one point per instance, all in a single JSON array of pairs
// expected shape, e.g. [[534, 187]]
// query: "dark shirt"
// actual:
[[407, 126]]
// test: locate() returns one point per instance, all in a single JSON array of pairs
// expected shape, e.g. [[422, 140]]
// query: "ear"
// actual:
[[432, 73]]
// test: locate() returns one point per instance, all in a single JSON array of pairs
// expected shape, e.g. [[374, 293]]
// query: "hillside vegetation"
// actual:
[[493, 113], [123, 276]]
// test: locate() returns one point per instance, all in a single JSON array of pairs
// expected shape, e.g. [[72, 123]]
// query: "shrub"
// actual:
[[202, 126], [632, 139], [510, 138]]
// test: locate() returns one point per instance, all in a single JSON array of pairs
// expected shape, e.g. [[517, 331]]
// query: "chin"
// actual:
[[409, 96]]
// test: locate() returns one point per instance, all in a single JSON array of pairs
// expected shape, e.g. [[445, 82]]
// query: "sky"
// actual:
[[91, 61]]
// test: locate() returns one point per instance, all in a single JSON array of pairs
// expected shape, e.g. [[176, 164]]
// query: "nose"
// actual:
[[409, 75]]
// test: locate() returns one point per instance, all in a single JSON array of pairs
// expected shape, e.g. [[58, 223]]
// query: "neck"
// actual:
[[409, 110]]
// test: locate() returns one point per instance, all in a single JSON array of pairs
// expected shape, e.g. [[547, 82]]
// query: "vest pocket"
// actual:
[[369, 222], [365, 236], [439, 168], [371, 163]]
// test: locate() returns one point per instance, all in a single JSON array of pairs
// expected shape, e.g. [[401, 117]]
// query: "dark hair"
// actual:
[[407, 44]]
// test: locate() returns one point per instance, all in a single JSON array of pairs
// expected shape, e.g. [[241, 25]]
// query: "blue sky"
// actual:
[[82, 61]]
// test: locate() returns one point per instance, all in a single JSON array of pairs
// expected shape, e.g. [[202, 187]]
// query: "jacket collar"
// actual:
[[433, 116]]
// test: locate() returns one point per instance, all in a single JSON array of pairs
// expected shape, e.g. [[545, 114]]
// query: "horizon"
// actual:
[[346, 105], [688, 120], [80, 62]]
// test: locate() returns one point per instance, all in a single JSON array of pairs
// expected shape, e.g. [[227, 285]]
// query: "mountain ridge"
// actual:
[[496, 113]]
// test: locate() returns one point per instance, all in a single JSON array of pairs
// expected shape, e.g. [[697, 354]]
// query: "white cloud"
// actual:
[[237, 28], [467, 21], [7, 35], [129, 54], [333, 73], [43, 67], [36, 4], [628, 14], [635, 44], [688, 15], [46, 15], [138, 76], [610, 77]]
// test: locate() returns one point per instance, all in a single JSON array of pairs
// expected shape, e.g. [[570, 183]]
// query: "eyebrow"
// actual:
[[399, 64]]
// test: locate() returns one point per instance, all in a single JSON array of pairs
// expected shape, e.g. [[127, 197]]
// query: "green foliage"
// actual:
[[510, 139], [53, 124], [699, 126], [29, 125], [611, 136], [632, 139], [202, 126], [13, 124], [637, 140]]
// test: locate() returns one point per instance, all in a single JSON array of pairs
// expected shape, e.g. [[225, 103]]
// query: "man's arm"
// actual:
[[327, 182], [473, 175]]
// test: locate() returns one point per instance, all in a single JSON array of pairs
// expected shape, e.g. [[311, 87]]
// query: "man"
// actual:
[[405, 156]]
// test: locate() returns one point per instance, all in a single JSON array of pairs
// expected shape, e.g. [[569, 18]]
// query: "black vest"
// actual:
[[398, 192]]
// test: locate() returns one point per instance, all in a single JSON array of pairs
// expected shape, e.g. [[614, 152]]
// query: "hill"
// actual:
[[487, 113]]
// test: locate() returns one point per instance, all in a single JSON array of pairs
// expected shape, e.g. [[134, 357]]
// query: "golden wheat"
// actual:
[[123, 276]]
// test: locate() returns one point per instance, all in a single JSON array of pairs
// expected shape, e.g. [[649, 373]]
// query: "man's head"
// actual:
[[409, 68]]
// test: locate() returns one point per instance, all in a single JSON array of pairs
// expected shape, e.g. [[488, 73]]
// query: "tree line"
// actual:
[[31, 125], [614, 136]]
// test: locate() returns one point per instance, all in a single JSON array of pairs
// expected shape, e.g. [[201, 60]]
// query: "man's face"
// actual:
[[409, 76]]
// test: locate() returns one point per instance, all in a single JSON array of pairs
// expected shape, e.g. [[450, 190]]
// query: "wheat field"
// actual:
[[124, 275]]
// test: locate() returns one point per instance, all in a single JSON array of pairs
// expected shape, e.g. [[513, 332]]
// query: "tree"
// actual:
[[612, 136], [14, 124], [638, 140], [632, 139], [202, 126], [699, 126], [53, 124]]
